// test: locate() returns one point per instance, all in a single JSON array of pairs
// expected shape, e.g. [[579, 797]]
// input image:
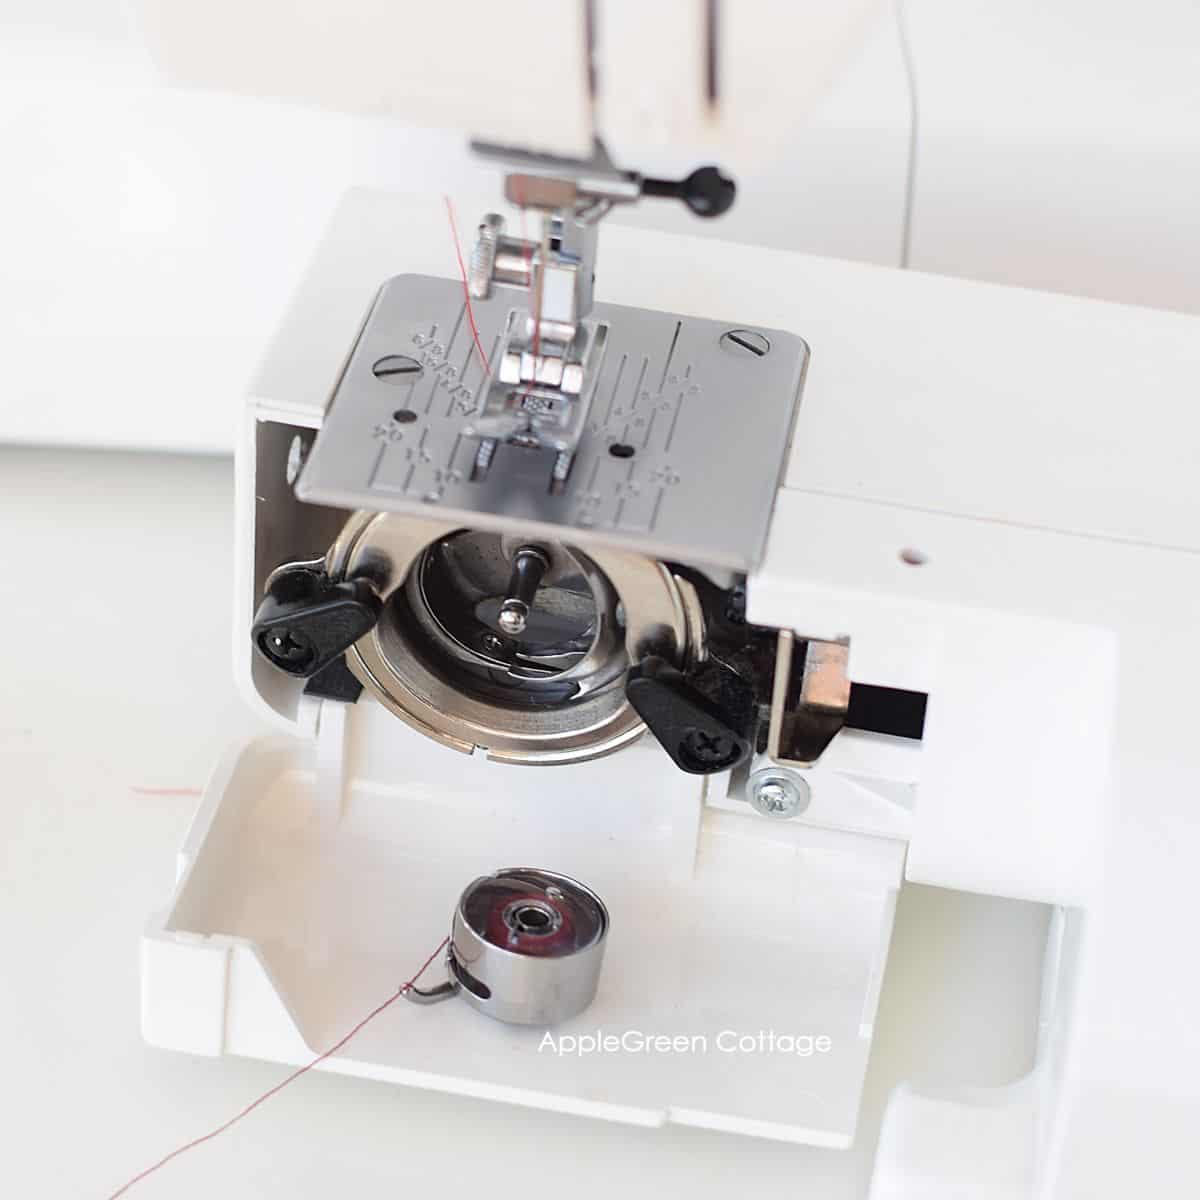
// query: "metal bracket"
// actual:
[[808, 712]]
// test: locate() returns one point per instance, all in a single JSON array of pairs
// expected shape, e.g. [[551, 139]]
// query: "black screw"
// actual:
[[286, 648], [735, 606], [709, 749]]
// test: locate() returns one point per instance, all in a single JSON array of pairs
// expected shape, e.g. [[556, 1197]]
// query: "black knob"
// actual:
[[306, 620], [704, 720], [707, 191]]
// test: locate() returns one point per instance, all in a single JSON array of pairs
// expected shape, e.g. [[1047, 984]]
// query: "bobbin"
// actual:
[[526, 947]]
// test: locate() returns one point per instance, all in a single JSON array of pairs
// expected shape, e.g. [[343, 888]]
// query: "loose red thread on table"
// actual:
[[162, 1162], [462, 270]]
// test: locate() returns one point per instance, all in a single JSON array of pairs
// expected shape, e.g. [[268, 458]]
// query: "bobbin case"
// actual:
[[527, 946]]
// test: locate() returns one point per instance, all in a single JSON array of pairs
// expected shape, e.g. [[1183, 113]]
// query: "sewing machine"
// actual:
[[536, 572]]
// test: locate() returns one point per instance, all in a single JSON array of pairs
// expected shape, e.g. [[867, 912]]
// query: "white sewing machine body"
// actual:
[[989, 493], [984, 506]]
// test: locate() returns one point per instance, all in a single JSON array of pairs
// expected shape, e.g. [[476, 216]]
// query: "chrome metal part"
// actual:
[[550, 352], [778, 793], [540, 398], [526, 946], [483, 256], [441, 659], [745, 341], [433, 995], [809, 705], [666, 395], [529, 565], [824, 683], [554, 181]]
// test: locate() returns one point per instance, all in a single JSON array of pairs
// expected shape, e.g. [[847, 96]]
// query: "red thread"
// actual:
[[162, 1162], [462, 270]]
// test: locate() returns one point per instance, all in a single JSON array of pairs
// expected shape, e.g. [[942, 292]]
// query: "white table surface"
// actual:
[[115, 615]]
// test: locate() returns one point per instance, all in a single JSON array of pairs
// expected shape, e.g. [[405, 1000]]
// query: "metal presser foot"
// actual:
[[546, 369]]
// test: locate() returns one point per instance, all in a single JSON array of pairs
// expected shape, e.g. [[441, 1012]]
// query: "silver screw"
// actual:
[[746, 343], [397, 368], [295, 459], [529, 565], [777, 793], [513, 616]]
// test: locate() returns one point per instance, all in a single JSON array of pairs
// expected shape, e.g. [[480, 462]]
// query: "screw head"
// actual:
[[778, 794], [295, 459], [287, 648], [745, 343], [397, 368], [709, 749], [513, 616]]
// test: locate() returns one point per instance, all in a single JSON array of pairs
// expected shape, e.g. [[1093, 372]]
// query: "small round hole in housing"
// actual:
[[913, 557]]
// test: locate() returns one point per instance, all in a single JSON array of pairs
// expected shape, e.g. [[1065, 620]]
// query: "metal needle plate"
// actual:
[[683, 451]]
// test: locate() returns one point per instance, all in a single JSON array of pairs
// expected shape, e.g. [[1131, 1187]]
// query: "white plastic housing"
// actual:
[[976, 500], [643, 77]]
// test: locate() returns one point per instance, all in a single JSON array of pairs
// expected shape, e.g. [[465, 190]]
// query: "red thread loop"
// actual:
[[162, 1162]]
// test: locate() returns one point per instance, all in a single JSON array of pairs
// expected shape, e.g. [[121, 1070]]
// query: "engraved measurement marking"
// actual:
[[588, 503], [446, 359], [670, 354], [691, 391], [462, 374], [408, 392], [626, 489], [378, 464], [657, 505], [387, 432], [637, 387], [463, 398], [612, 399], [650, 429], [674, 422], [445, 374]]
